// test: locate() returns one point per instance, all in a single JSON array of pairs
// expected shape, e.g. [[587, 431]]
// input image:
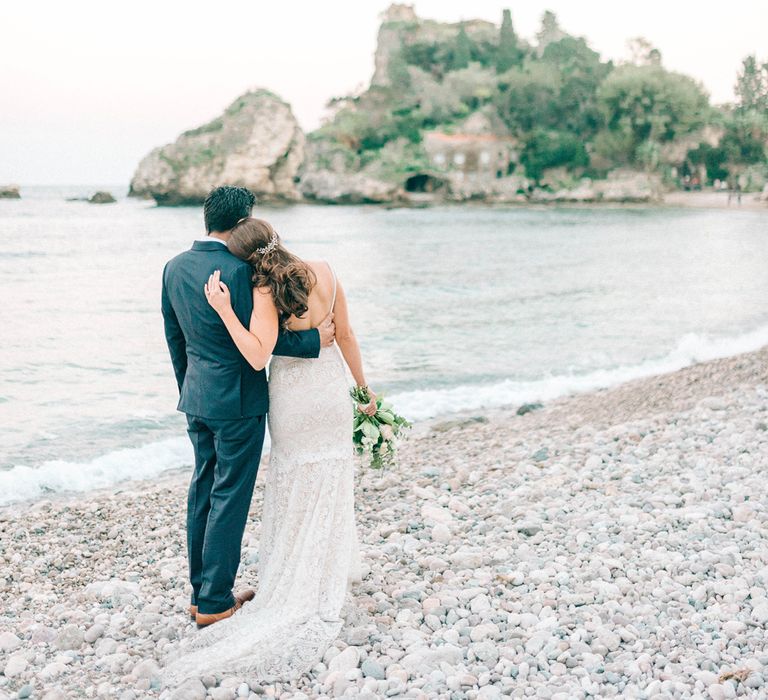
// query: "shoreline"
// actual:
[[706, 199], [572, 386], [606, 543], [712, 199]]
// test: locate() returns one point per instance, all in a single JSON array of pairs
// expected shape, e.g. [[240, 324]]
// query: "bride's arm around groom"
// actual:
[[257, 342]]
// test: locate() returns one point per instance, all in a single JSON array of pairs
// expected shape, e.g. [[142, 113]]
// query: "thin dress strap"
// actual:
[[333, 274]]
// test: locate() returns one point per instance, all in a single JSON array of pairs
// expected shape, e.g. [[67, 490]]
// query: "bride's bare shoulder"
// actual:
[[321, 268], [318, 264]]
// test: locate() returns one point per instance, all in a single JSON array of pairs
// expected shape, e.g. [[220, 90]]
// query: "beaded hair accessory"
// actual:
[[270, 246]]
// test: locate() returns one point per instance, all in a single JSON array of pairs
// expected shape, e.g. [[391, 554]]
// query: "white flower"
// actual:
[[386, 432]]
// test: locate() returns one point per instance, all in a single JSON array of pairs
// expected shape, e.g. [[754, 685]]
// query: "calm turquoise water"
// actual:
[[457, 308]]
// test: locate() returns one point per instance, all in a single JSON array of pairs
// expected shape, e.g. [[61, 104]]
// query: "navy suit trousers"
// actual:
[[227, 455]]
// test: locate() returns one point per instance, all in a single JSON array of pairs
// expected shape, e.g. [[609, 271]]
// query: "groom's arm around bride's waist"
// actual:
[[298, 343]]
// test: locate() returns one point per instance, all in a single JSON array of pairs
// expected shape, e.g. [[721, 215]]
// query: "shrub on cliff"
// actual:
[[439, 58], [550, 149], [373, 119]]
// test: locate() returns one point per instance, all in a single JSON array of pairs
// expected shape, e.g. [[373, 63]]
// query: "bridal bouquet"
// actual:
[[376, 435]]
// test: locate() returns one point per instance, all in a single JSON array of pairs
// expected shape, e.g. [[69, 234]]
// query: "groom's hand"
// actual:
[[327, 330]]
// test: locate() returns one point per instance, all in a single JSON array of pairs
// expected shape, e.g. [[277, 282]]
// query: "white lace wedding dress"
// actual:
[[308, 551]]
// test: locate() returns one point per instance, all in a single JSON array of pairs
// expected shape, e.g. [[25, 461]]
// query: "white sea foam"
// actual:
[[22, 483], [692, 348]]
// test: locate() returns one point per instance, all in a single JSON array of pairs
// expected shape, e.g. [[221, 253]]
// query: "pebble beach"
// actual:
[[611, 544]]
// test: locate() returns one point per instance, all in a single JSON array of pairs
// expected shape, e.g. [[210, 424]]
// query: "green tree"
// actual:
[[581, 72], [745, 137], [650, 103], [509, 53], [462, 54], [550, 149], [527, 97], [485, 52], [745, 141], [752, 85], [550, 31]]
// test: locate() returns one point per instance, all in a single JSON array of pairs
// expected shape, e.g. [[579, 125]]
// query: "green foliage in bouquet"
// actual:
[[376, 435]]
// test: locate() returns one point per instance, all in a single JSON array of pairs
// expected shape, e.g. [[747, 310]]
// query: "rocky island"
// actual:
[[100, 197], [470, 111], [9, 192], [256, 143]]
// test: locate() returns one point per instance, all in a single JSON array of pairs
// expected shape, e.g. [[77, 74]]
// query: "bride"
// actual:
[[308, 552]]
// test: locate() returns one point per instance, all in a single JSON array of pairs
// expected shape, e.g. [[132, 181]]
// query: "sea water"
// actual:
[[457, 308]]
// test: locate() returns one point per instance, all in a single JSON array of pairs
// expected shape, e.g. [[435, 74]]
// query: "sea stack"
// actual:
[[256, 143], [9, 192], [102, 198]]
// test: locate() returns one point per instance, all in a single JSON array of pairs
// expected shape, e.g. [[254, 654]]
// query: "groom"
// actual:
[[225, 400]]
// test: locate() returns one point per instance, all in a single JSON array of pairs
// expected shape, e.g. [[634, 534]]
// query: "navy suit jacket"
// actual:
[[215, 381]]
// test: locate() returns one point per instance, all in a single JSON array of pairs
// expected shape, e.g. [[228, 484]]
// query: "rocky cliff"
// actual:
[[457, 112], [400, 25], [256, 143], [434, 123]]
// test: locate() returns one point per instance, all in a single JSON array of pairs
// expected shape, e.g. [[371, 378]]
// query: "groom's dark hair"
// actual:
[[225, 206]]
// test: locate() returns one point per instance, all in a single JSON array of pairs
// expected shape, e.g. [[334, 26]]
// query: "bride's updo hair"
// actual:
[[290, 279]]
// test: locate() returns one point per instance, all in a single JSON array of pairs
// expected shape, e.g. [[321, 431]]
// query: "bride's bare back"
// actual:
[[320, 299]]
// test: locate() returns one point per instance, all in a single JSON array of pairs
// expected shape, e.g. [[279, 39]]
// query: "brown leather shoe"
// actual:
[[207, 619], [244, 596]]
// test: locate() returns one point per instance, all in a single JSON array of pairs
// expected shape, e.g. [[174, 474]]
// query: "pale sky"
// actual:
[[88, 87]]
